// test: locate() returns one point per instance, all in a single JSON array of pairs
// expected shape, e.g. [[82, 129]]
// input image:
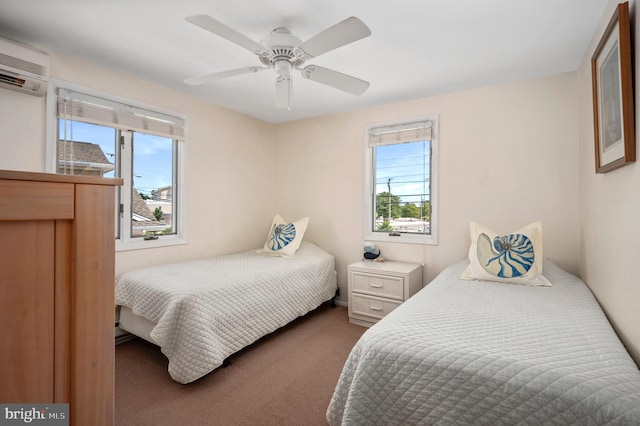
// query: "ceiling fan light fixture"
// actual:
[[284, 92], [282, 67]]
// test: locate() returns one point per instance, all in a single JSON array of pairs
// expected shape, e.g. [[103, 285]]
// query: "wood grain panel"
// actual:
[[26, 315], [35, 200], [62, 309], [92, 335]]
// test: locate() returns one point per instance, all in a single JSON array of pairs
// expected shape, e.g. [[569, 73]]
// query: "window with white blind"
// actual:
[[400, 181], [99, 136]]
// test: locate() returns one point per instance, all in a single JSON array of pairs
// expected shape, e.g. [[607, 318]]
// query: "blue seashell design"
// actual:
[[281, 236], [507, 257]]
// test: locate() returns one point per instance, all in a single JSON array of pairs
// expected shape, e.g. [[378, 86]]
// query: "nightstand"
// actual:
[[377, 288]]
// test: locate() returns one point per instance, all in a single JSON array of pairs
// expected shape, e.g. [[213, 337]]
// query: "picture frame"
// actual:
[[612, 75]]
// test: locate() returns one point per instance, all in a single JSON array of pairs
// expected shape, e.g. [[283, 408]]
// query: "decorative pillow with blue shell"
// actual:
[[511, 258], [284, 237]]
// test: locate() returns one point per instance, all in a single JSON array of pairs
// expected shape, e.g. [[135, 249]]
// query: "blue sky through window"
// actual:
[[153, 155], [152, 162], [408, 167]]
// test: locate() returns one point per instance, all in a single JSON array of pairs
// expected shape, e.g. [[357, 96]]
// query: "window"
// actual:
[[96, 136], [400, 182]]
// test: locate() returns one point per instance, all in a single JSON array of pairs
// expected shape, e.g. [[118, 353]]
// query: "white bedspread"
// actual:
[[208, 309], [481, 353]]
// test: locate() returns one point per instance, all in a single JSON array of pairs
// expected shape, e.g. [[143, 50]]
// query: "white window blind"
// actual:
[[401, 133], [91, 109]]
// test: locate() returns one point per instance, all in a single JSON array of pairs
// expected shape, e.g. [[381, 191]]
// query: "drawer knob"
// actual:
[[375, 285], [375, 308]]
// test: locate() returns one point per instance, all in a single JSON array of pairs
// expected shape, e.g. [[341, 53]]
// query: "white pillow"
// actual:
[[514, 258], [284, 238]]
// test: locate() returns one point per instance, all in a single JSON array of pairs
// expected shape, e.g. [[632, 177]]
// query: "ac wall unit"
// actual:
[[23, 69]]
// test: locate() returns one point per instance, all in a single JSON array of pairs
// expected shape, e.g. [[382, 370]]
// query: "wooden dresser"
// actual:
[[57, 255]]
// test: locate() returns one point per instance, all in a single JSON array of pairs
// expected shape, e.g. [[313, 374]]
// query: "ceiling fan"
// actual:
[[284, 52]]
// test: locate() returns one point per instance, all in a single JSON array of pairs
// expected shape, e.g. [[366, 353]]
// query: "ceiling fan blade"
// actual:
[[345, 32], [222, 74], [335, 79], [206, 22], [284, 92]]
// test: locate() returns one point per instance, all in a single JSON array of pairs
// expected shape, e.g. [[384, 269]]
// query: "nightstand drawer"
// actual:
[[377, 288], [378, 285], [371, 306]]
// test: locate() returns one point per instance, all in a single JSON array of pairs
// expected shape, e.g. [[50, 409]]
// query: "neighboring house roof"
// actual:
[[83, 155], [140, 211]]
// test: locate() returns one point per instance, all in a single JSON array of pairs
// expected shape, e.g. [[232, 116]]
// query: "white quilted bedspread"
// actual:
[[483, 353], [208, 309]]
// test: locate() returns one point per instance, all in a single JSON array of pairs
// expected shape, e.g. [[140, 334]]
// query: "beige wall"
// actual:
[[507, 157], [609, 213], [22, 124], [229, 165]]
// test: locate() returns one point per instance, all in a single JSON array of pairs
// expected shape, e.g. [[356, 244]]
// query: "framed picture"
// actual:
[[613, 115]]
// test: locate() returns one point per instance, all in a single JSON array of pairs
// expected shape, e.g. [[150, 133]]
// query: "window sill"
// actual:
[[402, 238], [139, 243]]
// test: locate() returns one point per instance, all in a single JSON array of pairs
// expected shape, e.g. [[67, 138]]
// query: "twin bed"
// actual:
[[487, 353], [203, 311]]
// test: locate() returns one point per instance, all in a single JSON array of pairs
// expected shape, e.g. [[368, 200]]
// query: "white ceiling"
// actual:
[[418, 48]]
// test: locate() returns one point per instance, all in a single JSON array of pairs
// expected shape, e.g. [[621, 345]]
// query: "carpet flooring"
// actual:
[[285, 378]]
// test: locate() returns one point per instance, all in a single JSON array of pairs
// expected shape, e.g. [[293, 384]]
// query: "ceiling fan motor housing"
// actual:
[[281, 53]]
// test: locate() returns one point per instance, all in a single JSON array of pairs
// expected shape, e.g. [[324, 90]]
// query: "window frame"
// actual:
[[126, 241], [369, 187]]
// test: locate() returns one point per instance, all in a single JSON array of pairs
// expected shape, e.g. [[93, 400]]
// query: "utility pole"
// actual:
[[389, 193]]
